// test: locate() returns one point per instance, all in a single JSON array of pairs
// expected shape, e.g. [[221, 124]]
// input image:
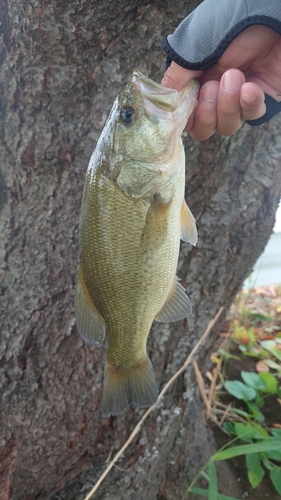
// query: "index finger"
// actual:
[[177, 78]]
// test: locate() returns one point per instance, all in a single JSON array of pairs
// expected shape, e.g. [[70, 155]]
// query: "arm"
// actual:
[[234, 48]]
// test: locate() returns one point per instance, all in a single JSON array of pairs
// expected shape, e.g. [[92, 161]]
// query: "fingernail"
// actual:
[[209, 93], [231, 84], [249, 96]]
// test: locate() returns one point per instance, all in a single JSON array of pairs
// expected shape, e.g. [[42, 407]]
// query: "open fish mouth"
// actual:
[[157, 98], [163, 97]]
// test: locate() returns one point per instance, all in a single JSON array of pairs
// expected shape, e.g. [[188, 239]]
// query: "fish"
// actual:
[[133, 216]]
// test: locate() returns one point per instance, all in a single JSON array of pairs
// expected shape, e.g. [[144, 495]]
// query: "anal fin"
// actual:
[[177, 305], [90, 323], [188, 226]]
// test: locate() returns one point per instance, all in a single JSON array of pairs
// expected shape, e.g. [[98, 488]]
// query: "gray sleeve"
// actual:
[[203, 36]]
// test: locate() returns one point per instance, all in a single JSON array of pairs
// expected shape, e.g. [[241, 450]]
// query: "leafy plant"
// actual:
[[252, 391], [256, 462], [262, 447], [254, 325]]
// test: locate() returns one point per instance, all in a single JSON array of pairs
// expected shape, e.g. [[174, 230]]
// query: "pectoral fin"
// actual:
[[177, 305], [90, 323], [188, 226], [156, 224]]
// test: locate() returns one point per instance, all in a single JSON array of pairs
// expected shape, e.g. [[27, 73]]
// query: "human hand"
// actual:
[[233, 89]]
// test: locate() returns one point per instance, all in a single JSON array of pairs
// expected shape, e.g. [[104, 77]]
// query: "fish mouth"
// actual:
[[165, 98]]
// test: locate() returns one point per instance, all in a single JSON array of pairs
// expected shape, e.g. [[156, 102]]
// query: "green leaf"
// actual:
[[229, 427], [244, 432], [267, 344], [275, 476], [274, 454], [271, 328], [242, 413], [256, 353], [254, 469], [261, 317], [255, 411], [270, 382], [276, 352], [226, 355], [213, 487], [270, 345], [205, 475], [243, 449], [240, 390], [267, 463], [248, 432], [253, 380], [259, 401], [260, 432], [204, 493], [263, 353], [272, 364], [243, 348], [276, 433]]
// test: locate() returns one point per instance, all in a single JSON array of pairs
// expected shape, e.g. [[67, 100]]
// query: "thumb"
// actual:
[[177, 78]]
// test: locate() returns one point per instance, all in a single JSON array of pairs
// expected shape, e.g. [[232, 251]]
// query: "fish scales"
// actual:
[[132, 219], [126, 265]]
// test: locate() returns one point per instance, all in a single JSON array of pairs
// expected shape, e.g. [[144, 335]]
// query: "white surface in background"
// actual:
[[267, 270]]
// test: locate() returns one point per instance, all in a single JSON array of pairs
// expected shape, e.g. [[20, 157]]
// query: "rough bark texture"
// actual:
[[61, 66]]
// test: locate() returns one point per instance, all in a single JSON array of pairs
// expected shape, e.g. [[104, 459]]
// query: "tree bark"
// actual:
[[61, 66]]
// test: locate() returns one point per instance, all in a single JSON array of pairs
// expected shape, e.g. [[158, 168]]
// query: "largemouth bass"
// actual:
[[133, 216]]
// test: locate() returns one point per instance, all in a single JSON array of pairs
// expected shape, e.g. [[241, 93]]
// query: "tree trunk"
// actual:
[[61, 66]]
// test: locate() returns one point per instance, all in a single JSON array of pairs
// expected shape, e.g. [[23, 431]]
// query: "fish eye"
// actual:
[[127, 114]]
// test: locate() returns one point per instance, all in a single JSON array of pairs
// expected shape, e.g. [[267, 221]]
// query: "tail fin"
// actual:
[[123, 387]]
